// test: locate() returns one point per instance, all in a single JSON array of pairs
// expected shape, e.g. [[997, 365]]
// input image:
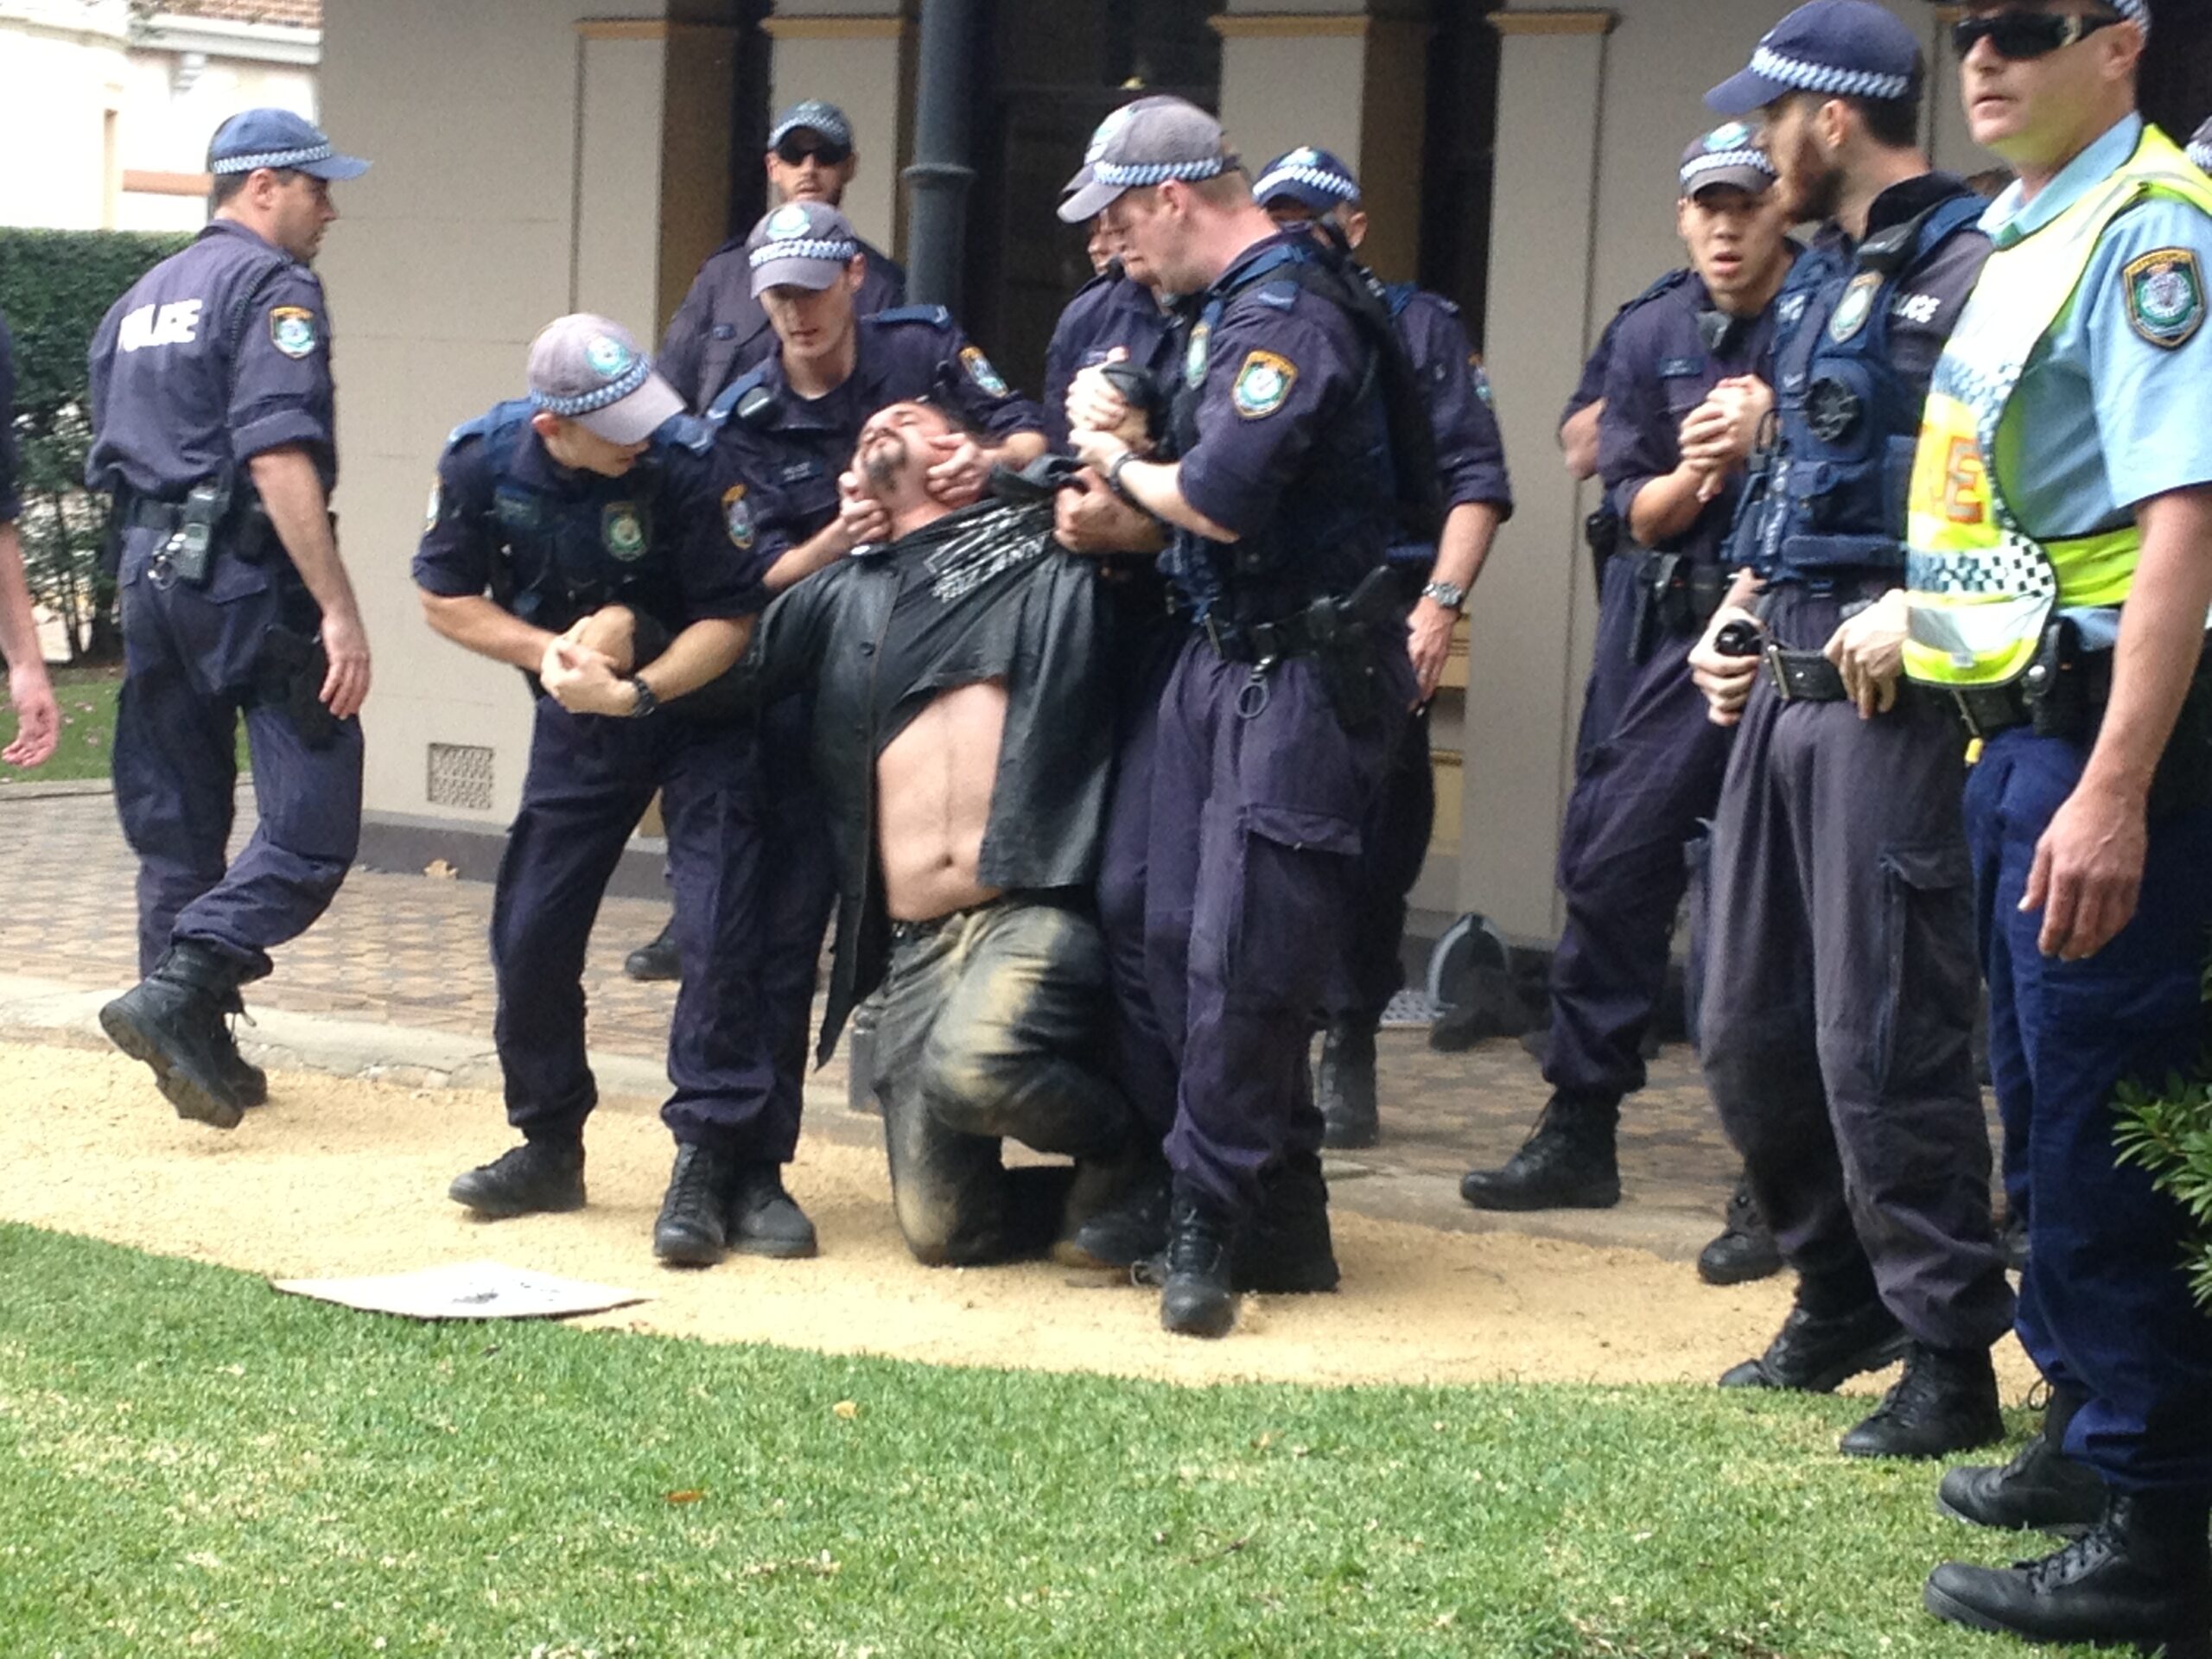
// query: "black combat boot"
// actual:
[[1815, 1353], [173, 1020], [657, 960], [1131, 1229], [1946, 1401], [1344, 1090], [1198, 1298], [2042, 1489], [536, 1177], [1567, 1164], [1745, 1250], [693, 1227], [2142, 1574], [766, 1220], [248, 1081], [1286, 1249]]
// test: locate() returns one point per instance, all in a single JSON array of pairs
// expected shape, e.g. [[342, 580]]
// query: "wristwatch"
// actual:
[[1114, 479], [647, 702], [1450, 595]]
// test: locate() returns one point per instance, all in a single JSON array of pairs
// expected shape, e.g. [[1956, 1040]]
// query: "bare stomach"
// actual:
[[933, 803]]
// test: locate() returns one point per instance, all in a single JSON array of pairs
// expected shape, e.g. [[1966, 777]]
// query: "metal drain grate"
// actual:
[[460, 776]]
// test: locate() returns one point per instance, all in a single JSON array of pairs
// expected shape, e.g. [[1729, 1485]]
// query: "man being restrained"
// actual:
[[962, 735]]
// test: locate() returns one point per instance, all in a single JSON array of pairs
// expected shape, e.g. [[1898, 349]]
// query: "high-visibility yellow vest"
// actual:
[[1980, 588]]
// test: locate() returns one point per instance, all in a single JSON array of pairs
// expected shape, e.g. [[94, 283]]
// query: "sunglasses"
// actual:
[[2020, 36], [792, 151]]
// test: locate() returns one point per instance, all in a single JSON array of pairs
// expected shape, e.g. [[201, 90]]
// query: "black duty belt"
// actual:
[[1259, 642], [145, 512], [1984, 711]]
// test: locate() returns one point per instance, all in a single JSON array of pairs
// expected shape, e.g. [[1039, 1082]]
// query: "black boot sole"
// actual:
[[1949, 1608], [493, 1209], [650, 970], [196, 1099], [688, 1251], [2069, 1530], [1595, 1195], [1211, 1322], [1887, 1353], [1747, 1272], [776, 1249]]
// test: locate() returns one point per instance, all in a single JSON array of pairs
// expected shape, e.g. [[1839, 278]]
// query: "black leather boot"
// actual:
[[1198, 1298], [1131, 1230], [172, 1019], [1286, 1250], [655, 960], [693, 1226], [1744, 1249], [1345, 1088], [1566, 1164], [248, 1081], [1815, 1353], [536, 1177], [1946, 1401], [763, 1219], [2042, 1489], [2142, 1574]]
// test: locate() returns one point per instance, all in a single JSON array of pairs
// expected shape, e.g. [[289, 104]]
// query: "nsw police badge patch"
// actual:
[[622, 530], [980, 372], [1263, 385], [1857, 305], [437, 502], [1194, 360], [291, 330], [737, 517], [2165, 296]]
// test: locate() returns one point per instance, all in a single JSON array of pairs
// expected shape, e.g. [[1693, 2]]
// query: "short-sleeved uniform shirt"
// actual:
[[662, 542], [776, 468], [218, 354], [1592, 384], [721, 330], [1661, 368], [2111, 410], [1107, 311], [10, 504], [1470, 452]]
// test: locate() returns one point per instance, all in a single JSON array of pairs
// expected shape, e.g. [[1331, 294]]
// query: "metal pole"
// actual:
[[937, 182]]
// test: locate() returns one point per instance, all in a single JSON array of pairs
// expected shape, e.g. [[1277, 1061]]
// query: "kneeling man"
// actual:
[[962, 733]]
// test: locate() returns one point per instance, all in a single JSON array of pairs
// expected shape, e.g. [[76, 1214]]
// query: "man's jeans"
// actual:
[[993, 1024]]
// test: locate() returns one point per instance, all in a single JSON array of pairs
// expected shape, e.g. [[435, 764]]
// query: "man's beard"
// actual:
[[1816, 192], [886, 460]]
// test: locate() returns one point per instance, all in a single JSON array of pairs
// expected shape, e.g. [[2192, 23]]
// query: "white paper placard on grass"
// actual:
[[465, 1290]]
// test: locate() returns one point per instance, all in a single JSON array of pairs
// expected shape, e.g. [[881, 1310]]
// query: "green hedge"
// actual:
[[2169, 1133], [55, 288]]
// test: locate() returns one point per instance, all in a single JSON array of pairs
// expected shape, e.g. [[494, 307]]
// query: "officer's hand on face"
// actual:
[[346, 687], [1087, 517], [1726, 680], [1428, 642], [1869, 651], [863, 520], [958, 478], [1094, 406], [2088, 874], [38, 719]]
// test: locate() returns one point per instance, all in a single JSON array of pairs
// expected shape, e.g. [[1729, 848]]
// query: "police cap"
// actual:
[[1840, 48], [271, 137]]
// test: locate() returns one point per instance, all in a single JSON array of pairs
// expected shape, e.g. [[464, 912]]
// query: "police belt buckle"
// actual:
[[1804, 676]]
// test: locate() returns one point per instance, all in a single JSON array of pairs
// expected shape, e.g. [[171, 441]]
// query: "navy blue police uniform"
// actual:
[[220, 354], [1112, 309], [1841, 988], [776, 460], [552, 544], [1601, 531], [1263, 779], [721, 331]]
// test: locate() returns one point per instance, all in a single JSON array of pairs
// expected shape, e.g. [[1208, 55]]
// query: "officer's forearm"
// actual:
[[2161, 637], [475, 623], [1666, 506], [291, 493], [18, 628], [1017, 449], [818, 552], [1158, 488], [1462, 547], [1577, 440], [700, 653]]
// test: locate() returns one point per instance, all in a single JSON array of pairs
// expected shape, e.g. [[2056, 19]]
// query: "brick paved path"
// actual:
[[408, 949]]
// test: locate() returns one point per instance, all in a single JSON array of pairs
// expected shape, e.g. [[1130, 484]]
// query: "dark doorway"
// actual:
[[1459, 158], [1055, 72]]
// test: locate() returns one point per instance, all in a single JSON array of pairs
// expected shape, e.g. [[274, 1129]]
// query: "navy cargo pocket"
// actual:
[[1926, 1028], [218, 628]]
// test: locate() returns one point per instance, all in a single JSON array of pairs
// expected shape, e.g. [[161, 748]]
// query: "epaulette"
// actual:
[[1281, 294], [689, 432], [509, 413], [719, 411], [1400, 296], [1665, 285], [936, 315]]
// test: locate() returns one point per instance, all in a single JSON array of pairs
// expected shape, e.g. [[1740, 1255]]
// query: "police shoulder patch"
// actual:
[[1856, 306], [2165, 296], [737, 517], [1263, 385], [436, 504], [291, 330], [622, 529], [1195, 359], [980, 372]]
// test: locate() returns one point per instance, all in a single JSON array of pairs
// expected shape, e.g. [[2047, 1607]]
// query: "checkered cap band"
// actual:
[[613, 392], [1809, 77], [2136, 11], [2200, 152], [272, 158], [1135, 175], [1319, 178], [1757, 160], [832, 251]]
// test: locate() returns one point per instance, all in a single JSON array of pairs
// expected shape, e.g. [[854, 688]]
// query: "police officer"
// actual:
[[2060, 575], [1117, 311], [786, 431], [1839, 990], [1310, 186], [575, 534], [1281, 488], [213, 425], [1649, 762], [38, 722], [721, 331]]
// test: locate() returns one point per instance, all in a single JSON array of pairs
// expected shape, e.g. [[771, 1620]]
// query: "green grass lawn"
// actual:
[[86, 697], [189, 1462]]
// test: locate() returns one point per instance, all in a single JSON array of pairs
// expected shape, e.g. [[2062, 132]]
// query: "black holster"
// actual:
[[289, 677], [1601, 533], [1341, 636]]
